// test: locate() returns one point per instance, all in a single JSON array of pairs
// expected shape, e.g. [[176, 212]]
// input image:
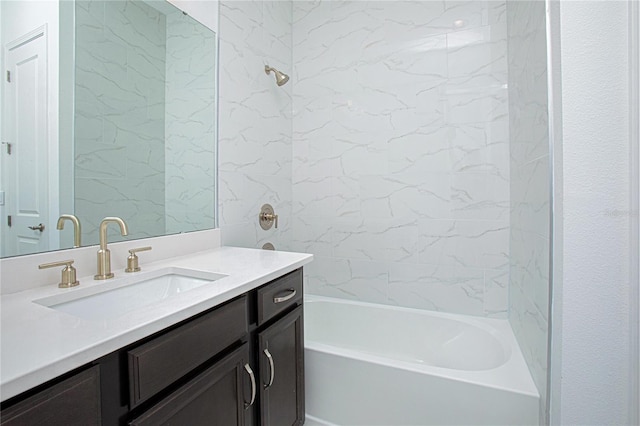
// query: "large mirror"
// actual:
[[108, 109]]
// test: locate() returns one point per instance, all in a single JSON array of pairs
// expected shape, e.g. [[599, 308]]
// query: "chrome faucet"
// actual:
[[76, 227], [104, 255]]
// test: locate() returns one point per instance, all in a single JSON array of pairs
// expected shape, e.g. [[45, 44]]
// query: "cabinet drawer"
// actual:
[[279, 295], [158, 363]]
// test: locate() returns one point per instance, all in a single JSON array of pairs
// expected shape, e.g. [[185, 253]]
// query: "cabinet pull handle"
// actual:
[[253, 386], [272, 370], [292, 293]]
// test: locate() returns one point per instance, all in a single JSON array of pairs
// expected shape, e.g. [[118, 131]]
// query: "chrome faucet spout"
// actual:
[[77, 233], [104, 255]]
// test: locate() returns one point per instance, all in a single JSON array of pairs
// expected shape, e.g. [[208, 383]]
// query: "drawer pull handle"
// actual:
[[292, 293], [272, 370], [253, 386]]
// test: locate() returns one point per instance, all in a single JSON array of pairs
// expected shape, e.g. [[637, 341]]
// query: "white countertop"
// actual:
[[39, 343]]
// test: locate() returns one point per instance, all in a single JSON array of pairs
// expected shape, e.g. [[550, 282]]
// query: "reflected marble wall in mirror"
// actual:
[[132, 132]]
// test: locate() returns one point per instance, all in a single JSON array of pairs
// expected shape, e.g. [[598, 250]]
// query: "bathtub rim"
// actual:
[[485, 327], [511, 376]]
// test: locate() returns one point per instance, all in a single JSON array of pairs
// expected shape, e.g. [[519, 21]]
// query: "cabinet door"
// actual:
[[282, 371], [74, 401], [217, 396]]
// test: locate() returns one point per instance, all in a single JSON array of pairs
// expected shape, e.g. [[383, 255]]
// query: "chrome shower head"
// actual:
[[281, 78]]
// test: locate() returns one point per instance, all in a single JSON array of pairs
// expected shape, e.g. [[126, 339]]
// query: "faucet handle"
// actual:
[[68, 273], [132, 260]]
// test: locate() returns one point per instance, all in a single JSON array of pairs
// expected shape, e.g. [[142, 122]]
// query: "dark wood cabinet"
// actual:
[[240, 363], [215, 397], [281, 352], [73, 401], [156, 364]]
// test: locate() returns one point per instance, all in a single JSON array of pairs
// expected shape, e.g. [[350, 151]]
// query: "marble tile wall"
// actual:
[[119, 158], [530, 185], [254, 121], [190, 155], [401, 152]]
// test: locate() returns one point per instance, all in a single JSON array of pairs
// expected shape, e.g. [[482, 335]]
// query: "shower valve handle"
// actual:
[[267, 217], [271, 218]]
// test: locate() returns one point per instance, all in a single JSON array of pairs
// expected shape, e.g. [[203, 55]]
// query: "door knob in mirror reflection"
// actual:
[[267, 217], [68, 273], [132, 260], [77, 229], [104, 255], [39, 227]]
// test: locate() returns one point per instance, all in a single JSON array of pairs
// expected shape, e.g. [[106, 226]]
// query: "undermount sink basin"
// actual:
[[112, 298]]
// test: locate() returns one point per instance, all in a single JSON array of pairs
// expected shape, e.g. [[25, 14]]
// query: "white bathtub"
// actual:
[[368, 364]]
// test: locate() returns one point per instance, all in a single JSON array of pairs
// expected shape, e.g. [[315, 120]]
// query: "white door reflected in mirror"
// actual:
[[25, 146]]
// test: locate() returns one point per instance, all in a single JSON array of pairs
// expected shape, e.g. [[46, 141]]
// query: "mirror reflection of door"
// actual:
[[25, 180]]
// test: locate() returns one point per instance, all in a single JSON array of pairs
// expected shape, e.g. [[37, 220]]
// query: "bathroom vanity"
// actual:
[[230, 355]]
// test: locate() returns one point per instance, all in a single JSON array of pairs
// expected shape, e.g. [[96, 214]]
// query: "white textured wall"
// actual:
[[530, 184], [255, 121], [206, 12], [401, 152], [119, 117], [591, 385], [190, 125]]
